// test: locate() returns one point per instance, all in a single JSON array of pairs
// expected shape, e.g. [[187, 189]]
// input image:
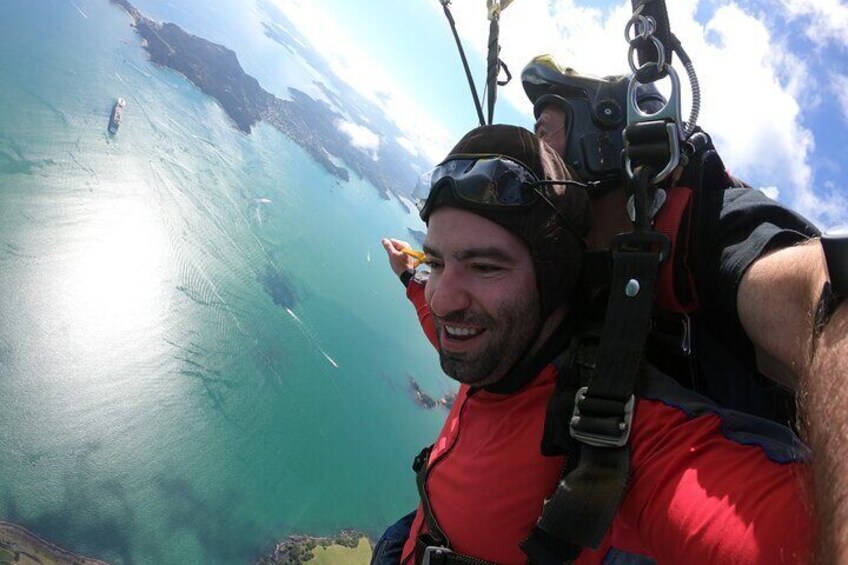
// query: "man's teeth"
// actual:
[[462, 332]]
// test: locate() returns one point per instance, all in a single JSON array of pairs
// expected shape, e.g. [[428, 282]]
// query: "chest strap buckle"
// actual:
[[435, 555]]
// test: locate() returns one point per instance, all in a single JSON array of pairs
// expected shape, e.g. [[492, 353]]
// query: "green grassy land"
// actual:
[[6, 557], [341, 555]]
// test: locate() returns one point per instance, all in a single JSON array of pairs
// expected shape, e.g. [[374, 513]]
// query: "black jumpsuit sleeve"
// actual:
[[747, 225]]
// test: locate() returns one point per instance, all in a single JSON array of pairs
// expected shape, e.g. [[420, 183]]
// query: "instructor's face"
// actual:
[[482, 295], [550, 128]]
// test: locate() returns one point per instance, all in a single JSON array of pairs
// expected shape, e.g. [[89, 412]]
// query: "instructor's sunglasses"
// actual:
[[488, 181]]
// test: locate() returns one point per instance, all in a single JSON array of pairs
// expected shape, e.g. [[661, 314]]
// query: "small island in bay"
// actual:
[[19, 546], [425, 400], [348, 547]]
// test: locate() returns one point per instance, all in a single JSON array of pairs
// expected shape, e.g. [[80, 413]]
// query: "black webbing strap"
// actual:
[[419, 465], [433, 547], [628, 320], [582, 507]]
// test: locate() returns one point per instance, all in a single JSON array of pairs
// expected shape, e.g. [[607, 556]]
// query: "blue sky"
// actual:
[[773, 73]]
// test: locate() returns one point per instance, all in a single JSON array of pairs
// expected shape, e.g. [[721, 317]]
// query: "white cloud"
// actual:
[[771, 191], [754, 87], [827, 19], [839, 87], [362, 71], [408, 145], [360, 137]]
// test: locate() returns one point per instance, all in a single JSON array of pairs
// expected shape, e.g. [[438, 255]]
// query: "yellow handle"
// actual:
[[419, 256]]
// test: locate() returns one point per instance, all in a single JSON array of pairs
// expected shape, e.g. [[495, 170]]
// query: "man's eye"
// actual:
[[487, 268], [432, 263]]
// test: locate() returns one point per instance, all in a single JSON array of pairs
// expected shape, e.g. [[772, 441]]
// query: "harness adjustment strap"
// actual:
[[582, 507], [586, 500], [419, 465]]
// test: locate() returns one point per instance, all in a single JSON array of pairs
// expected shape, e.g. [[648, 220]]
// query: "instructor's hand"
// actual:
[[398, 261]]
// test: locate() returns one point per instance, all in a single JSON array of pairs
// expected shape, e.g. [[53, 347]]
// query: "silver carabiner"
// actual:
[[648, 26], [660, 63]]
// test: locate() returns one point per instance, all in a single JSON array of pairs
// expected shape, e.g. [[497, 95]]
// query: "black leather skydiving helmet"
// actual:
[[595, 114]]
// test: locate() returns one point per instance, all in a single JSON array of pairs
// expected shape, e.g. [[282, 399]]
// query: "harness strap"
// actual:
[[433, 547], [581, 509], [419, 465]]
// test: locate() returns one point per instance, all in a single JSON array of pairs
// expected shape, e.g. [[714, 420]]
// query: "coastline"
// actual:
[[19, 545], [16, 542], [309, 122], [348, 547]]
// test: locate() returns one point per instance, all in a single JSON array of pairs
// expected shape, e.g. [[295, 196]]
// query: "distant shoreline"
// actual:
[[17, 540]]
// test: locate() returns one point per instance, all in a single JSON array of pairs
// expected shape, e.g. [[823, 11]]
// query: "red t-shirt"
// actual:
[[695, 496]]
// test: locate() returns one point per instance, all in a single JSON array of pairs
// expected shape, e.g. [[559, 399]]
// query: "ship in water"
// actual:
[[117, 114]]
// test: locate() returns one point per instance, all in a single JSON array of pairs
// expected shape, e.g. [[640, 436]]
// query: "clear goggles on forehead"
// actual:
[[489, 180]]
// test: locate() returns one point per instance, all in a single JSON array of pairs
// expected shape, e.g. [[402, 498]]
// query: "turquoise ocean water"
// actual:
[[156, 405]]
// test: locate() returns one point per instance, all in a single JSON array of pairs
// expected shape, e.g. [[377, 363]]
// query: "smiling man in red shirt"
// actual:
[[504, 246]]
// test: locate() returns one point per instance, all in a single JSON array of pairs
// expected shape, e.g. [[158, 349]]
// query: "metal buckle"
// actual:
[[642, 240], [602, 440], [670, 113], [686, 338], [436, 551], [673, 331]]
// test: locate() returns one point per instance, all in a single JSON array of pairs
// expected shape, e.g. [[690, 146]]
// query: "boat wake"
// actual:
[[83, 14], [309, 334]]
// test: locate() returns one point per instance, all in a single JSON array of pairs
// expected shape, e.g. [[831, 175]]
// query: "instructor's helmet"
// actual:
[[595, 113], [507, 175]]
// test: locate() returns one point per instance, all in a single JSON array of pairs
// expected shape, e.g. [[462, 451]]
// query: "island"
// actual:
[[19, 546], [312, 124], [348, 547], [417, 235], [425, 400]]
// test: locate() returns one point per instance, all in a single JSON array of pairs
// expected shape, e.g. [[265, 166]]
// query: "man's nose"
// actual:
[[450, 293]]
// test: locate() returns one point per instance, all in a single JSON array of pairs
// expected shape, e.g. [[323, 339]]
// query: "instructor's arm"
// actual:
[[777, 301]]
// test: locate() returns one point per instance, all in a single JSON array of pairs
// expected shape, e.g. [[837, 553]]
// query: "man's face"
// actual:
[[550, 127], [482, 295]]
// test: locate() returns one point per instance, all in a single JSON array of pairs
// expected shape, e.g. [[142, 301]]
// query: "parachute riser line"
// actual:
[[477, 105], [493, 66]]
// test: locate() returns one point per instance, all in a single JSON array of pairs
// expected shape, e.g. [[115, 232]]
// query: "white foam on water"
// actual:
[[83, 14], [330, 359], [293, 315]]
